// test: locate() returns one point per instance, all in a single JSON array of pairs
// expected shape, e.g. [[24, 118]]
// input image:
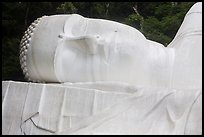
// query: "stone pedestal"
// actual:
[[99, 108]]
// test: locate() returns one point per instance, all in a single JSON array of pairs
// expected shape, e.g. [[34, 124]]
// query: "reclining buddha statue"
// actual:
[[72, 48], [96, 76]]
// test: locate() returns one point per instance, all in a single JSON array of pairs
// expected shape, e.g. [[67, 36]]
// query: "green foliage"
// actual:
[[98, 10], [66, 8], [161, 20], [136, 21], [158, 21]]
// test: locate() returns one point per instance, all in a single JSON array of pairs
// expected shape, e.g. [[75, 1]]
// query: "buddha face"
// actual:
[[72, 48]]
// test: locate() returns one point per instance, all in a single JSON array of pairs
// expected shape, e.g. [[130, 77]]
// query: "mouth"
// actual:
[[24, 45]]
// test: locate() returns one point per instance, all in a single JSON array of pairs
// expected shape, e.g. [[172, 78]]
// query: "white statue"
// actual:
[[109, 79], [72, 48]]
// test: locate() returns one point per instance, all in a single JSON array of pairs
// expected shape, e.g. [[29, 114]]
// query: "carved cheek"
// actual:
[[66, 60], [74, 59]]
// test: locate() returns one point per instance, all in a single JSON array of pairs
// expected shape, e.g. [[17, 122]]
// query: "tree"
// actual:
[[159, 21], [66, 8]]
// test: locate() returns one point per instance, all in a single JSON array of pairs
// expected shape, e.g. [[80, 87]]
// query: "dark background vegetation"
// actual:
[[158, 21]]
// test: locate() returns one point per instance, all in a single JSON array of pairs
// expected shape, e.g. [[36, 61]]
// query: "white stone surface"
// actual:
[[111, 80], [99, 108]]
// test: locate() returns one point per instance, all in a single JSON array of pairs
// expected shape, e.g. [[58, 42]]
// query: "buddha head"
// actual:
[[73, 48]]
